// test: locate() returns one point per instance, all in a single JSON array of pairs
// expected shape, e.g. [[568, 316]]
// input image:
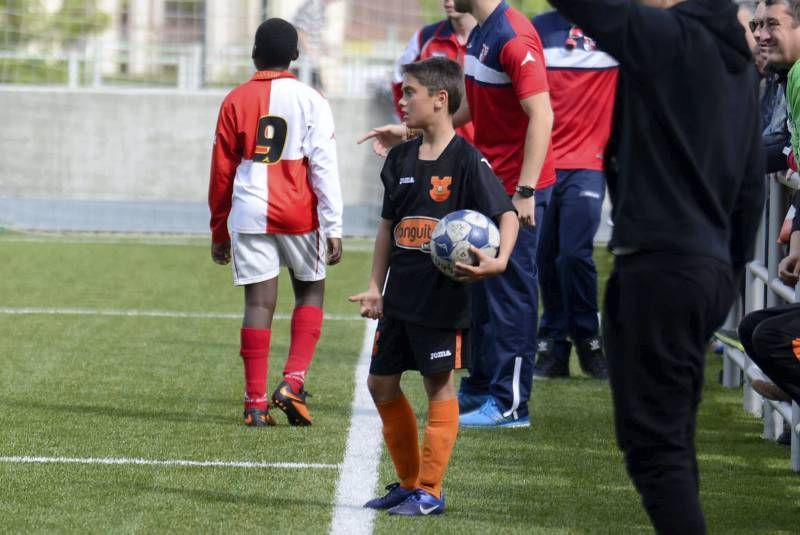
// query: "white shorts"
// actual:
[[259, 257]]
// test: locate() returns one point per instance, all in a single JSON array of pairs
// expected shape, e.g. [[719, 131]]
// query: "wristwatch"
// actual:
[[525, 191]]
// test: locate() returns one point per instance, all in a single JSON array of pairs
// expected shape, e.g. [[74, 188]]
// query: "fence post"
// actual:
[[73, 69], [97, 68]]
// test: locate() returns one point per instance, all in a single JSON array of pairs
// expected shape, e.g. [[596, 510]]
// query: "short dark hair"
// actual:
[[792, 7], [275, 44], [437, 74]]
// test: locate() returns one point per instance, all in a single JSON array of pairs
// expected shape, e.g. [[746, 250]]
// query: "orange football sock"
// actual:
[[400, 435], [437, 445]]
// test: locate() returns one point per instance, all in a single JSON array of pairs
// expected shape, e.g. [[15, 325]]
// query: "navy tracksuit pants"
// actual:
[[567, 274], [503, 331]]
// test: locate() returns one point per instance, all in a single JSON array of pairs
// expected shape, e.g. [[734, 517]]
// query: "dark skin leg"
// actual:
[[260, 299]]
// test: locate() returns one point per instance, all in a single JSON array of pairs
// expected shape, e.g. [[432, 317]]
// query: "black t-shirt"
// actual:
[[417, 194]]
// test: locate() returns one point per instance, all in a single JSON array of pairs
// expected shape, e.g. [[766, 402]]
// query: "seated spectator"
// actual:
[[771, 337]]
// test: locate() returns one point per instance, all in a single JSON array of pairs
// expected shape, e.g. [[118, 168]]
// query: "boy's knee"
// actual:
[[383, 388]]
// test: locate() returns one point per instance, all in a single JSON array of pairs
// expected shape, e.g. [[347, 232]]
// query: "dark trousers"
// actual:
[[503, 330], [567, 274], [660, 311], [771, 338]]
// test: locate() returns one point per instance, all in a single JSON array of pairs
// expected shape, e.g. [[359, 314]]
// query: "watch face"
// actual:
[[525, 191]]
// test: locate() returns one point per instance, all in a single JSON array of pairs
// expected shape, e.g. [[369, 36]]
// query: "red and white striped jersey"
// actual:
[[274, 167]]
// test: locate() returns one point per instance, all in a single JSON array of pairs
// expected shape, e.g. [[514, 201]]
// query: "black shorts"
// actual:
[[401, 346]]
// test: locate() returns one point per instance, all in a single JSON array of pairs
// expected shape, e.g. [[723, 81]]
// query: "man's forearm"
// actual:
[[537, 141]]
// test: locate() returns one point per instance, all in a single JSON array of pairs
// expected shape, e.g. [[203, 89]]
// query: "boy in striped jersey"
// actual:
[[275, 183]]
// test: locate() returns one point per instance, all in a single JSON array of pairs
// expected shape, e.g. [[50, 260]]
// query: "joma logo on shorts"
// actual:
[[414, 232], [441, 354]]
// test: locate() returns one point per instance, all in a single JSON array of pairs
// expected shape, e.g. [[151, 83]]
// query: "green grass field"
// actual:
[[169, 388]]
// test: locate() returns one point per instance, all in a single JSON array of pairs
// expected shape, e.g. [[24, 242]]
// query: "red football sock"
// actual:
[[306, 328], [255, 354]]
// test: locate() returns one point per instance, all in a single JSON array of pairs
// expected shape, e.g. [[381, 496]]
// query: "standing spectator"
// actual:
[[684, 167], [274, 175], [773, 96], [446, 38], [508, 102], [583, 82], [310, 22]]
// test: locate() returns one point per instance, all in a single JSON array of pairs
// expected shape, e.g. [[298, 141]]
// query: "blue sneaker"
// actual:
[[420, 503], [395, 496], [469, 402], [490, 415]]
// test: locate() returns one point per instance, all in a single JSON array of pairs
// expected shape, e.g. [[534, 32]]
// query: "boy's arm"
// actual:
[[225, 157], [488, 266], [324, 175], [372, 300]]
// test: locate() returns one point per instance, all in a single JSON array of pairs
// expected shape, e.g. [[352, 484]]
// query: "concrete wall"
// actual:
[[142, 145]]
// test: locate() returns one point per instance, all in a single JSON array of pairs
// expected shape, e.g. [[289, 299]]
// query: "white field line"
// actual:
[[359, 246], [358, 474], [147, 313], [153, 462]]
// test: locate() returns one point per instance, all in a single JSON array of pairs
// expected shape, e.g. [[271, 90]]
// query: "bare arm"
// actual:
[[789, 267], [371, 301], [462, 115], [488, 266], [537, 140]]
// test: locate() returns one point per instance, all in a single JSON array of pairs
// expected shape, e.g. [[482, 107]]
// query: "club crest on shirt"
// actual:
[[414, 232], [484, 53], [440, 188]]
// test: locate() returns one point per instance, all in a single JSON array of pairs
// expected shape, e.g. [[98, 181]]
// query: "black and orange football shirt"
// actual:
[[417, 194]]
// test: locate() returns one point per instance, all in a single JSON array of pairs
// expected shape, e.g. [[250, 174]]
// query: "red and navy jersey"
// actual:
[[505, 64], [274, 167], [583, 83], [417, 194], [434, 40]]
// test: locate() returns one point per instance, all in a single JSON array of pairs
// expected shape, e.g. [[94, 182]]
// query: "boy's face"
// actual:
[[418, 106]]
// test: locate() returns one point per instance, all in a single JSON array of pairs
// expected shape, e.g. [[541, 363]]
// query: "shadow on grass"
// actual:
[[111, 411]]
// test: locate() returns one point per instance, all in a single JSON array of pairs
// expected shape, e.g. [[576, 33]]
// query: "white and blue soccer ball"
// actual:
[[453, 235]]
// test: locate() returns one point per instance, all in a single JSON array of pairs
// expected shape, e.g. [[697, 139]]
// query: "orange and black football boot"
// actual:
[[258, 418], [292, 403]]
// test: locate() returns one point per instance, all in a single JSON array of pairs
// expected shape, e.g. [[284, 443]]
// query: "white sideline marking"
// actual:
[[148, 313], [152, 462], [358, 474]]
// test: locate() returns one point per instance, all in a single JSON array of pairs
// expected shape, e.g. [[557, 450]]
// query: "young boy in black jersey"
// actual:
[[424, 316]]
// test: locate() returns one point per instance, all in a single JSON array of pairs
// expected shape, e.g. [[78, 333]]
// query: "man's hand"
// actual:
[[789, 269], [486, 267], [334, 251], [371, 304], [526, 209], [221, 252], [385, 137]]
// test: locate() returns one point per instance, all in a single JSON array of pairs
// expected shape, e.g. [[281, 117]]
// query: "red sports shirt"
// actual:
[[274, 167]]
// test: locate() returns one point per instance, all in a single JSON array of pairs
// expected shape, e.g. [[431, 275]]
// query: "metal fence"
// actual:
[[763, 289]]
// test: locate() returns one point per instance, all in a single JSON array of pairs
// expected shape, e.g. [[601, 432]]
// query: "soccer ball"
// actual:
[[453, 235]]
